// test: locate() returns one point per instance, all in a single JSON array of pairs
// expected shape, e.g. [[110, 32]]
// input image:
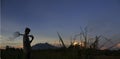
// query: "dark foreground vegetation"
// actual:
[[13, 53]]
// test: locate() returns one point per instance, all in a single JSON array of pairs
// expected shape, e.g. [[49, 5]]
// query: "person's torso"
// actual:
[[26, 42]]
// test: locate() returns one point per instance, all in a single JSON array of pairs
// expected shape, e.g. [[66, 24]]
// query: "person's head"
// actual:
[[27, 30]]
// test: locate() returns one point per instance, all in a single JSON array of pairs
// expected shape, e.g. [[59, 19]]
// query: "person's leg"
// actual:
[[25, 55], [28, 54]]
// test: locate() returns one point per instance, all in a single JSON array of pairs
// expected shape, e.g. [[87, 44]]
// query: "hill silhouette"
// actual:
[[42, 46]]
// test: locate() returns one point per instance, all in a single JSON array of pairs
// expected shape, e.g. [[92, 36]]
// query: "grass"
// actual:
[[54, 54]]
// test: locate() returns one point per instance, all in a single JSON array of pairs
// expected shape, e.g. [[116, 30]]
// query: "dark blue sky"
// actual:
[[46, 17]]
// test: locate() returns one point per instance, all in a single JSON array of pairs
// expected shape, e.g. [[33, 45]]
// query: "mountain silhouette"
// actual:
[[42, 46]]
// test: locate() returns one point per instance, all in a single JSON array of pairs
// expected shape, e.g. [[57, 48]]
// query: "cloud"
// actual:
[[5, 40]]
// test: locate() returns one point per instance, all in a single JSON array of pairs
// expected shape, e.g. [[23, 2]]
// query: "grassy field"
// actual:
[[54, 54]]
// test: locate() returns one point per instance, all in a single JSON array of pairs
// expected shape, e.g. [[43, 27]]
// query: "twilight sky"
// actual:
[[46, 17]]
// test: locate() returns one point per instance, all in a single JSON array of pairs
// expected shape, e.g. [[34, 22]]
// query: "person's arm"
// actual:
[[32, 37]]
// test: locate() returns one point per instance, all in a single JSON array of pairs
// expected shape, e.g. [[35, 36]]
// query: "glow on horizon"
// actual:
[[118, 45], [14, 42]]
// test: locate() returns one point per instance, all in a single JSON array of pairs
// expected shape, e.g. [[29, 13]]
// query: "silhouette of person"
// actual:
[[27, 42]]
